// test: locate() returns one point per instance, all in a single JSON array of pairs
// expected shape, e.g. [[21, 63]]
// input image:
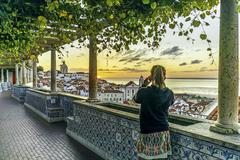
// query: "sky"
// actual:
[[180, 57]]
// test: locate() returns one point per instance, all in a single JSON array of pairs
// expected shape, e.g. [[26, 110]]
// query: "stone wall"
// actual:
[[112, 134]]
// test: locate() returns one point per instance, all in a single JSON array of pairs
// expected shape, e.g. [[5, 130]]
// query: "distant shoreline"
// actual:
[[194, 78]]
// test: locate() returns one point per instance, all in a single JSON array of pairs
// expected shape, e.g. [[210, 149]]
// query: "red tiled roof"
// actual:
[[214, 114], [130, 83], [112, 91]]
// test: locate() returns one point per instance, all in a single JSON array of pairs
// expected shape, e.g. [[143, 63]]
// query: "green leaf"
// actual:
[[146, 1], [202, 16], [203, 36], [172, 25], [196, 23], [153, 5], [110, 3], [188, 19], [122, 15]]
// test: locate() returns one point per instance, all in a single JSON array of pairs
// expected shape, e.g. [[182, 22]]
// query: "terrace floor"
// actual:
[[24, 136]]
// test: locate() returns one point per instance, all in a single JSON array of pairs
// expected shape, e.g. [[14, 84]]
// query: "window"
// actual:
[[133, 91]]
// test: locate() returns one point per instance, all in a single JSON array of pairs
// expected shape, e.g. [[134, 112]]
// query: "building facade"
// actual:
[[111, 96]]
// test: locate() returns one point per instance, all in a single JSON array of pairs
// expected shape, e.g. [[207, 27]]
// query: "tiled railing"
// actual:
[[52, 107], [19, 92], [111, 130], [112, 133]]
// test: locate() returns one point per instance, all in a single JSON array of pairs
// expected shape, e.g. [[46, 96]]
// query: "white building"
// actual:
[[129, 90], [81, 75], [111, 96]]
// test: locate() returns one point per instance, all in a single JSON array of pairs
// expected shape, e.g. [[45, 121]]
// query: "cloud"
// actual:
[[202, 69], [196, 61], [133, 57], [205, 69], [114, 66], [197, 50], [126, 69], [133, 69], [183, 64], [174, 51], [129, 52]]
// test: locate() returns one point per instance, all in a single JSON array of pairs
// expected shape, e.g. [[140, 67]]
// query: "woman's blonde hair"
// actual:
[[158, 74]]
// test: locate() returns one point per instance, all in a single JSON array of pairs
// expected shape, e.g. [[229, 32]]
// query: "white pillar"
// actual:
[[7, 74], [23, 73], [16, 74], [2, 75], [27, 75], [34, 74]]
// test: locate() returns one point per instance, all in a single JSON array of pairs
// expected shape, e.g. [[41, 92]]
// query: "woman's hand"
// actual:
[[147, 81]]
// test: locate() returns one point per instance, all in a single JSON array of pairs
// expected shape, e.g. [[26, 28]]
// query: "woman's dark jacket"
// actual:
[[154, 108]]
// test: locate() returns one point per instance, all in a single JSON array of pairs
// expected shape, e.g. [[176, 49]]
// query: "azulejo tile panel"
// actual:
[[46, 104], [67, 104], [19, 92], [117, 136], [37, 102], [204, 147]]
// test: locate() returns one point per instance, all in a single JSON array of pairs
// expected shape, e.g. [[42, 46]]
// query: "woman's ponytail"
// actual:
[[158, 76]]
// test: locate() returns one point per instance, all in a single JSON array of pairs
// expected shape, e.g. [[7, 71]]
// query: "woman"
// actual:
[[154, 139]]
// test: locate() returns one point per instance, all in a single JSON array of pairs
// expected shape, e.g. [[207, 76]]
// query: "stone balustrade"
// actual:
[[111, 131]]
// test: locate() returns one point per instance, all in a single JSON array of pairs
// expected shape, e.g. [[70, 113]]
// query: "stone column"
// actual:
[[34, 73], [92, 70], [2, 75], [23, 73], [53, 71], [16, 74], [228, 70], [7, 75], [26, 75]]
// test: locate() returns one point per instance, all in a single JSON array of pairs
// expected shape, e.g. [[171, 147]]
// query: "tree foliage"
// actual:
[[40, 69], [26, 25], [19, 28], [117, 24]]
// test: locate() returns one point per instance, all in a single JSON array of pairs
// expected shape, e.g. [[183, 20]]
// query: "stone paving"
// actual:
[[24, 136]]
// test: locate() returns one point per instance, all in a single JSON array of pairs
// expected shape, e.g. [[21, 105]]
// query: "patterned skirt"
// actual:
[[154, 145]]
